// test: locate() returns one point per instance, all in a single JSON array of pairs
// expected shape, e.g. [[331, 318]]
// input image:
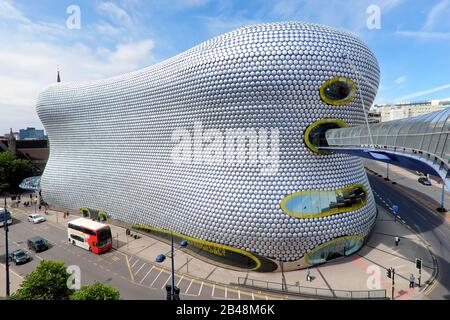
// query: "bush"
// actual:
[[97, 291], [47, 282]]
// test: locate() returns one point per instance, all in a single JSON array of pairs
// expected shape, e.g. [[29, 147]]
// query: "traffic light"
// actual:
[[389, 273], [419, 264]]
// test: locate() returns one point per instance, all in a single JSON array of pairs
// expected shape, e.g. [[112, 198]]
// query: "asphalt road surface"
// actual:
[[428, 223], [136, 279]]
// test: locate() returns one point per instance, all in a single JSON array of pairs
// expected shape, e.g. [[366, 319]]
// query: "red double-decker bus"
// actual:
[[90, 235]]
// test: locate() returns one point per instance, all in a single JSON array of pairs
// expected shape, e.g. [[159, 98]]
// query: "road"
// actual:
[[135, 278], [429, 224]]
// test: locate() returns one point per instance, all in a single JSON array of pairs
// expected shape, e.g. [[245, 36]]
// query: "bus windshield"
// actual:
[[103, 235]]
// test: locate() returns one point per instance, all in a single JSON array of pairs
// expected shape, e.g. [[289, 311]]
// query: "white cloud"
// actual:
[[423, 93], [436, 24], [28, 63], [422, 35], [437, 16], [114, 13], [400, 80]]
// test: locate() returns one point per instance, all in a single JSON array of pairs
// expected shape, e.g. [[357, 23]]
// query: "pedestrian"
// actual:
[[46, 212], [397, 240], [412, 280], [40, 207], [67, 213], [308, 275]]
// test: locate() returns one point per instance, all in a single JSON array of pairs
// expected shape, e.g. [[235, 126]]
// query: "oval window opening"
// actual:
[[316, 203], [338, 91], [315, 134]]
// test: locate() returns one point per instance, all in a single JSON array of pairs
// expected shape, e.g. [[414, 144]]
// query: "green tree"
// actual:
[[47, 282], [12, 172], [97, 291]]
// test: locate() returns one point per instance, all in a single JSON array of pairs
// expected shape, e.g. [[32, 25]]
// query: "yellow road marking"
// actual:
[[129, 268]]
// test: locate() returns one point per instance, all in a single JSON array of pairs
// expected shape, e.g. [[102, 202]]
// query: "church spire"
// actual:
[[58, 78]]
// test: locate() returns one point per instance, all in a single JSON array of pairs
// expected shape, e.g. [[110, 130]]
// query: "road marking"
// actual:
[[253, 296], [140, 268], [151, 285], [214, 287], [190, 284], [134, 263], [164, 285], [239, 294], [146, 275], [225, 292], [201, 287], [129, 268], [179, 281]]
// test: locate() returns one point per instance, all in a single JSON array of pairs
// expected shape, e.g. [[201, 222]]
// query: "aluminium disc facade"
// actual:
[[211, 145]]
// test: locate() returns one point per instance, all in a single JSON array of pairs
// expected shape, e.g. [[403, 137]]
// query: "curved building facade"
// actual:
[[217, 145]]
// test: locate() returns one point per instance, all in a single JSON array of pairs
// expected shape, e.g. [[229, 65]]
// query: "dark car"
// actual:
[[424, 181], [37, 244], [19, 257]]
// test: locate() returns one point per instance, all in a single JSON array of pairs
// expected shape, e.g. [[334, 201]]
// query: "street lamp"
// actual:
[[161, 257], [5, 216]]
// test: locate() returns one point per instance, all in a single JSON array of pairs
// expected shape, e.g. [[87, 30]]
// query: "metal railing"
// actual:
[[310, 291]]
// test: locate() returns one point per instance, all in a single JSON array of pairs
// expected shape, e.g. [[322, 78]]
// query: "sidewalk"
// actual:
[[365, 270], [14, 281]]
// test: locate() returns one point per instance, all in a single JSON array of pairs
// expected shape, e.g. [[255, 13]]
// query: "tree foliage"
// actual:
[[97, 291], [12, 172], [47, 282]]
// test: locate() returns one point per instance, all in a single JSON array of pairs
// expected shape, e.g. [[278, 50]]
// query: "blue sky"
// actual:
[[412, 44]]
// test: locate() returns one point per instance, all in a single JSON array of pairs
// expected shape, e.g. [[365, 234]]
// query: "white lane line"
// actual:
[[239, 294], [190, 284], [151, 285], [226, 292], [140, 269], [214, 287], [134, 263], [201, 287], [179, 281], [164, 285], [253, 296], [146, 275]]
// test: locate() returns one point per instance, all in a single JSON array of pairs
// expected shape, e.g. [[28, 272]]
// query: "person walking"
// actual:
[[308, 275], [397, 240], [412, 280]]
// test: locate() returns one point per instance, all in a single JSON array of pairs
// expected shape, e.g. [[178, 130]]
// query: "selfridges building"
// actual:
[[218, 146]]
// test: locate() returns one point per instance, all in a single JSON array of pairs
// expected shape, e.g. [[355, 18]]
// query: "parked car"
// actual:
[[36, 218], [37, 244], [4, 217], [424, 181], [19, 256]]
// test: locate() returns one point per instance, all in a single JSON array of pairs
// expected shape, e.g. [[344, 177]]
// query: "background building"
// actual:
[[398, 111], [31, 134]]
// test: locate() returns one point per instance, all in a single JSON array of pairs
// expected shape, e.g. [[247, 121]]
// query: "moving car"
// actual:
[[36, 218], [424, 181], [19, 256], [37, 244], [2, 217]]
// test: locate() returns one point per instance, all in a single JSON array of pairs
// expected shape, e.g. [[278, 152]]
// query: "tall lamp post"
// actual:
[[161, 257], [5, 216]]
